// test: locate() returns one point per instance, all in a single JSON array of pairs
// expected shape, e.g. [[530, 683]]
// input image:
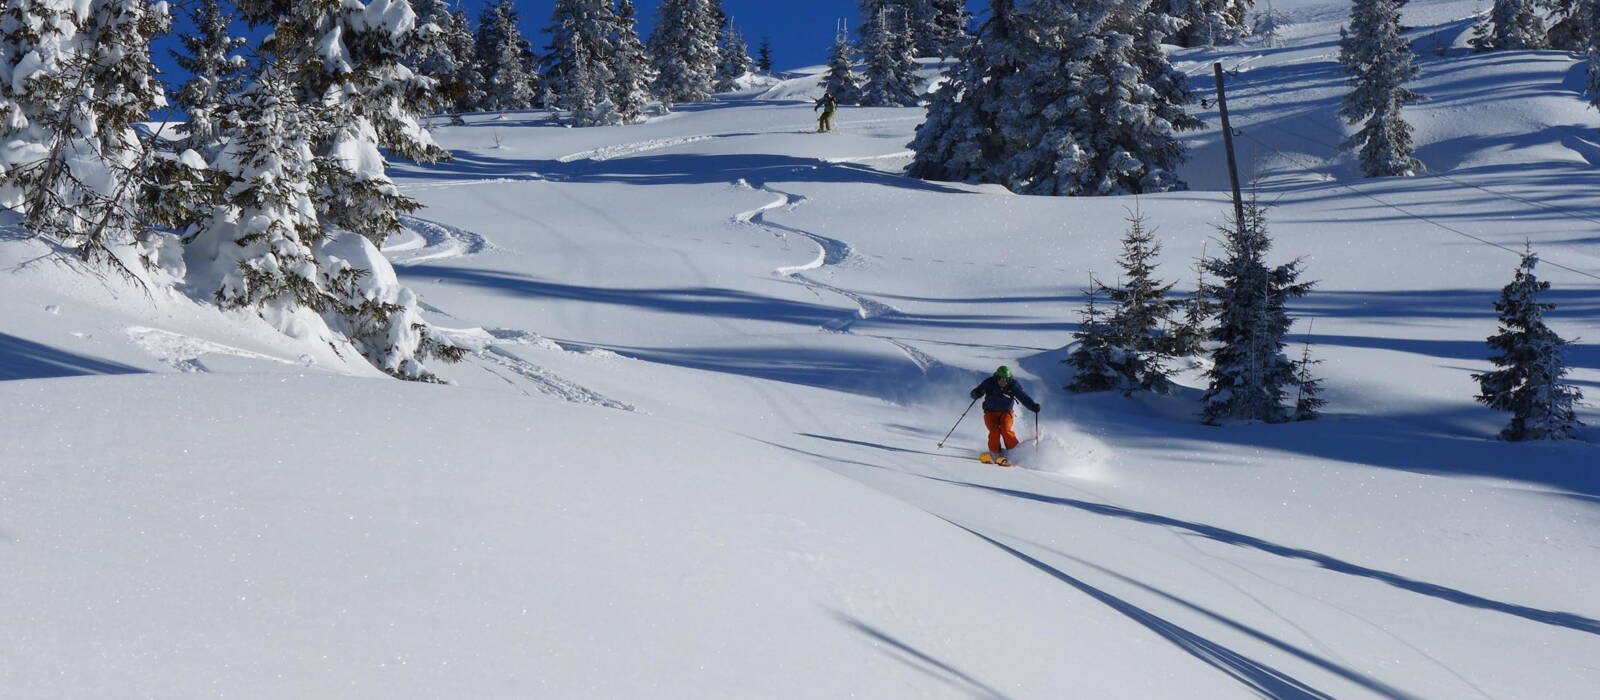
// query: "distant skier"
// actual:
[[827, 104], [1000, 393]]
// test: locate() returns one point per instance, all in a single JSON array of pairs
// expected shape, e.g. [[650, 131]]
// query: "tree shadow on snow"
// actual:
[[670, 169], [1348, 674], [725, 303], [1568, 620], [25, 359], [1259, 677], [919, 660], [1454, 439], [1443, 304]]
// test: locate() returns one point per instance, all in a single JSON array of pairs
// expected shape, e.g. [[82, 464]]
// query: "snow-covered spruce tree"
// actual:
[[1094, 359], [1531, 362], [1142, 313], [943, 28], [215, 72], [255, 248], [764, 56], [1379, 63], [734, 61], [1209, 22], [577, 66], [1250, 375], [1097, 110], [509, 82], [1167, 101], [1511, 25], [465, 87], [584, 95], [683, 50], [442, 50], [842, 81], [961, 138], [342, 61], [630, 71], [908, 11], [716, 18], [1568, 25], [890, 62], [1591, 26], [347, 58], [74, 78]]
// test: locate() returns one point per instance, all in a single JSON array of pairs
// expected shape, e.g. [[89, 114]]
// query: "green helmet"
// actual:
[[1003, 372]]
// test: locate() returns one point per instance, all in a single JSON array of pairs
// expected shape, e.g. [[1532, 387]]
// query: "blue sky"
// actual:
[[800, 30]]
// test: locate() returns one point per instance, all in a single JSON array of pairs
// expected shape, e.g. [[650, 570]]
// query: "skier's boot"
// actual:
[[986, 458]]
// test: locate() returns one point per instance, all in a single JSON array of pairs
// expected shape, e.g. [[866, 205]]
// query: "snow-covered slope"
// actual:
[[695, 451]]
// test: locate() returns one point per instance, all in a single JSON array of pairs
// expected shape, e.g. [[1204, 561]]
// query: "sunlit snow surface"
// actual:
[[694, 452]]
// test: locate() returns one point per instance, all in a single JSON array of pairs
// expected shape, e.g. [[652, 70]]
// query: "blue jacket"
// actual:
[[998, 399]]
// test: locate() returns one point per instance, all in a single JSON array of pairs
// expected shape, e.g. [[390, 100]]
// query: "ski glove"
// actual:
[[1034, 408]]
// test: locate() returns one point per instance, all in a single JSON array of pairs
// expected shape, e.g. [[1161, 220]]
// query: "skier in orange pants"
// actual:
[[1000, 393]]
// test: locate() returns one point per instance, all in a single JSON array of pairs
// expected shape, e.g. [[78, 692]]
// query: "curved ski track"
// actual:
[[831, 252], [439, 241], [442, 241]]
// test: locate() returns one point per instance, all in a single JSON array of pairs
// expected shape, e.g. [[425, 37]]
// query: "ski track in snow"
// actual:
[[864, 159], [183, 352], [831, 252], [623, 150], [434, 241], [442, 184], [546, 381], [486, 353]]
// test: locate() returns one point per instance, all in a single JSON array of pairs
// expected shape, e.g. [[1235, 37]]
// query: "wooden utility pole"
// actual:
[[1227, 143]]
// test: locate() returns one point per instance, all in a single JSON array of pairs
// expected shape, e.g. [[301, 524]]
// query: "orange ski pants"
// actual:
[[999, 424]]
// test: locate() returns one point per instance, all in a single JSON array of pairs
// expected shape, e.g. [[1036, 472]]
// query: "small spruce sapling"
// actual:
[[764, 56], [734, 61], [1188, 337], [1308, 400], [1094, 359], [1531, 364], [1143, 308], [1250, 375]]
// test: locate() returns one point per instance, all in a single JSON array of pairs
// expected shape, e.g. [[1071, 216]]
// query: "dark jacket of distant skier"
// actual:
[[827, 104], [1001, 397]]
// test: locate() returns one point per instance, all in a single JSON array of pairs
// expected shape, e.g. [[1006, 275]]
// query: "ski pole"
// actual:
[[958, 422], [1035, 428]]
